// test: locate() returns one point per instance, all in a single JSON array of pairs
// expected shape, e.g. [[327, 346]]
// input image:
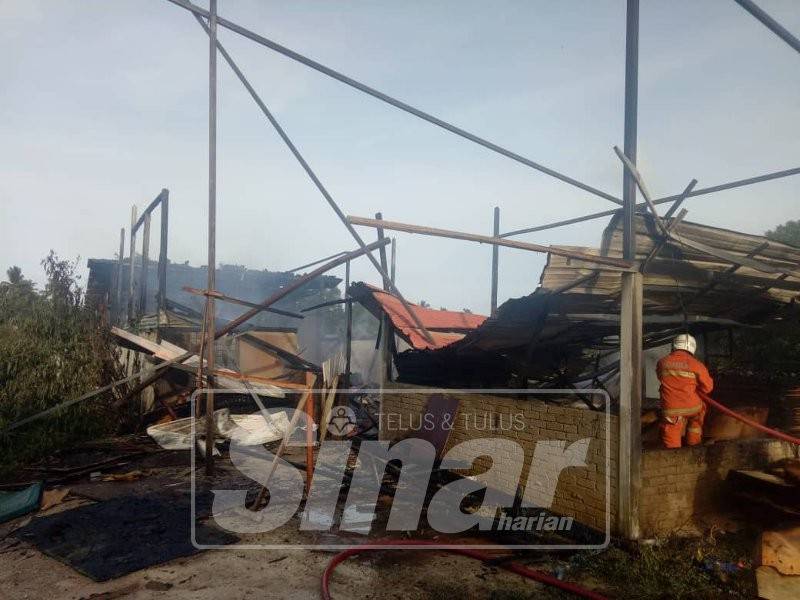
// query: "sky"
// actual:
[[104, 103]]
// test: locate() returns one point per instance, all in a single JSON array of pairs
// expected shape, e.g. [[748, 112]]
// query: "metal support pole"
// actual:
[[145, 264], [770, 23], [393, 261], [307, 168], [382, 252], [495, 261], [630, 336], [631, 111], [212, 231], [386, 324], [199, 12], [701, 192], [115, 317], [162, 256], [348, 308], [131, 264]]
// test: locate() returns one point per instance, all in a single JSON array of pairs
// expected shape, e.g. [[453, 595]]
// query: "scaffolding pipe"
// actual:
[[313, 176], [212, 233], [259, 39], [702, 191], [770, 23]]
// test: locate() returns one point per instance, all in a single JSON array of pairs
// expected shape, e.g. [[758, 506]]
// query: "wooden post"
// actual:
[[495, 261], [117, 312], [131, 265], [212, 233], [314, 382], [145, 264], [162, 258]]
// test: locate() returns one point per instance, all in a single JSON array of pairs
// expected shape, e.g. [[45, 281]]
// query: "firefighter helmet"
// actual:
[[684, 341]]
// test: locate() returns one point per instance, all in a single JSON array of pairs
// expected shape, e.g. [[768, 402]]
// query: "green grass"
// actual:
[[675, 568]]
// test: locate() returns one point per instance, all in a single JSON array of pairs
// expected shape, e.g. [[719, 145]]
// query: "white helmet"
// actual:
[[684, 341]]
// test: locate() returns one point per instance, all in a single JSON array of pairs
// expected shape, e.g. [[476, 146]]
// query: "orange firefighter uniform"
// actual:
[[682, 376]]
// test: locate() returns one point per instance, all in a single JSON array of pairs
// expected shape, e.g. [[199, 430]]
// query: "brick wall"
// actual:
[[580, 491], [682, 488]]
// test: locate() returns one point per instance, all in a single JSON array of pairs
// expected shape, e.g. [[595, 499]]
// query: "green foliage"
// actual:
[[676, 568], [52, 349], [772, 352], [788, 233]]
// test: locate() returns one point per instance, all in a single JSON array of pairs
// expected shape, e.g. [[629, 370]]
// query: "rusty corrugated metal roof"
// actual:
[[445, 326]]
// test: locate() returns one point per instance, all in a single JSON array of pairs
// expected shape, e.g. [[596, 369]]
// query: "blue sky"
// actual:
[[105, 102]]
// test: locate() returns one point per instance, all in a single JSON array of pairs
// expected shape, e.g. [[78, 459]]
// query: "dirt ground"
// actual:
[[674, 568], [26, 572], [215, 574]]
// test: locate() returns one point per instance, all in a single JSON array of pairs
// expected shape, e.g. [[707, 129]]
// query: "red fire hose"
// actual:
[[516, 567], [774, 433], [477, 555]]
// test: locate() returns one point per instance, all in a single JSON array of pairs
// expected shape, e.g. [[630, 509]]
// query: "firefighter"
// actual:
[[682, 378]]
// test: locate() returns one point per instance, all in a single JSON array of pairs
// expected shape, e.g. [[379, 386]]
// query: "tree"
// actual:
[[52, 348], [14, 275], [17, 282], [62, 281], [788, 233]]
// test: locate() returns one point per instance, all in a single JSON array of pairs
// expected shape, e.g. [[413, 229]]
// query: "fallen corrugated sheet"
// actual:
[[445, 326]]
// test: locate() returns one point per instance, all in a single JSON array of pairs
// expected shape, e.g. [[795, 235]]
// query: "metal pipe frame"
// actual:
[[701, 192], [770, 23], [316, 262], [212, 233], [259, 39], [312, 175], [630, 323], [143, 220], [145, 264], [495, 263], [131, 264], [162, 256], [606, 261], [348, 325], [117, 304]]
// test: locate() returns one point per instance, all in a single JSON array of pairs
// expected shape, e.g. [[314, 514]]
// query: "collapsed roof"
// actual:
[[445, 326], [699, 278]]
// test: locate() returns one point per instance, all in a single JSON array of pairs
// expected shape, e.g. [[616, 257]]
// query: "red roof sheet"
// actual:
[[445, 326]]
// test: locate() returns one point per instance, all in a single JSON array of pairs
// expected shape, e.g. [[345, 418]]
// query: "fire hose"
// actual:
[[772, 432], [517, 568]]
